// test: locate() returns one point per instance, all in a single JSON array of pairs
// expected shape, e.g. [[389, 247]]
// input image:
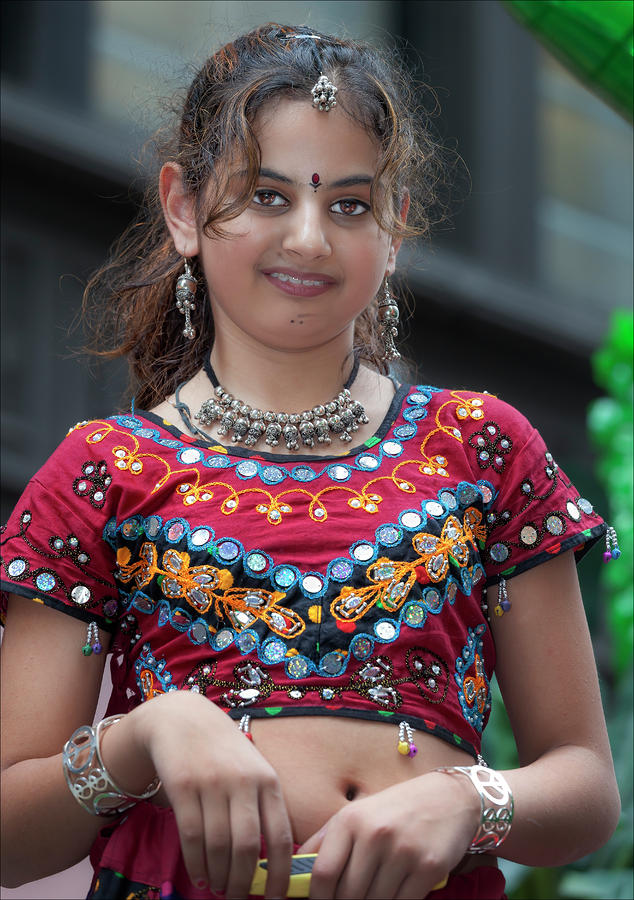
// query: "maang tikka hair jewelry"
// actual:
[[341, 416], [324, 94], [388, 322], [186, 286]]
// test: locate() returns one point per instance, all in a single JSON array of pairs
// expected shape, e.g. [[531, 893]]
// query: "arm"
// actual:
[[223, 792], [403, 840]]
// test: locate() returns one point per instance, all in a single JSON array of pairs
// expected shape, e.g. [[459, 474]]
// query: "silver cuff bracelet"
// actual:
[[88, 779], [496, 800]]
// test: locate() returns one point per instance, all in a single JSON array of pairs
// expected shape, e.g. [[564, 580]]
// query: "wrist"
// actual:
[[495, 800]]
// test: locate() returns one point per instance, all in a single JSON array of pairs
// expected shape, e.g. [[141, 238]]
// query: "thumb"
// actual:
[[314, 842]]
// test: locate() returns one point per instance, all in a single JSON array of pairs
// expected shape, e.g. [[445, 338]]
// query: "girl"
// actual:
[[305, 570]]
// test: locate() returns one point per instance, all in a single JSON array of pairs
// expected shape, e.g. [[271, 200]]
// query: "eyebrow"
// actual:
[[349, 181]]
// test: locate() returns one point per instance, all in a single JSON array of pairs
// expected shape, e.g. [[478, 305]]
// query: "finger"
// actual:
[[360, 873], [331, 862], [278, 835], [314, 842], [189, 821], [217, 838], [245, 843]]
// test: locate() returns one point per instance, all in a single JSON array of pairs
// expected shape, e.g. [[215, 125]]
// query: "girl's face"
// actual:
[[307, 256]]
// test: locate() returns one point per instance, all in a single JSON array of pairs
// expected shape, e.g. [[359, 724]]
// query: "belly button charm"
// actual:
[[406, 745], [315, 181]]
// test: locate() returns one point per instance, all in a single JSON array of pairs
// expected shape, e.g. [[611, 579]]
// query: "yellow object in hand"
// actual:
[[301, 869]]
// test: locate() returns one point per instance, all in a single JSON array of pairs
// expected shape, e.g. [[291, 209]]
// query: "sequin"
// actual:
[[327, 693], [528, 535], [432, 599], [304, 473], [405, 431], [45, 582], [130, 528], [257, 562], [448, 499], [312, 584], [385, 630], [332, 663], [223, 639], [487, 493], [341, 570], [189, 455], [392, 448], [554, 525], [297, 668], [466, 494], [200, 536], [499, 552], [274, 651], [585, 506], [368, 462], [272, 475], [247, 469], [80, 594], [198, 632], [228, 550], [16, 567], [363, 552], [361, 648], [339, 473], [434, 508], [284, 577], [414, 614], [573, 511], [175, 531], [410, 519], [245, 642], [388, 535]]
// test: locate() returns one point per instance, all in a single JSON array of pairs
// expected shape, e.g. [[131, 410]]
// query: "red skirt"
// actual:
[[139, 858]]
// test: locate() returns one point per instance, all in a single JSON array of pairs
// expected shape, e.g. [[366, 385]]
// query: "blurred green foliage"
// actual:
[[610, 423]]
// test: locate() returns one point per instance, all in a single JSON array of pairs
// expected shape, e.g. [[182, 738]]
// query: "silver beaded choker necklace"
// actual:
[[248, 425]]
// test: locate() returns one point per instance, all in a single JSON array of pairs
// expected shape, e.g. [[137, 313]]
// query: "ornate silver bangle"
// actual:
[[89, 781], [496, 800]]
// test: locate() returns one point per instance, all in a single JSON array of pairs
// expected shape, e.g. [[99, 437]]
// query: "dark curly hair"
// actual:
[[129, 304]]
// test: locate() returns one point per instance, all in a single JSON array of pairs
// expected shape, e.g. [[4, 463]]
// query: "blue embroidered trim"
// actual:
[[473, 685], [275, 473], [271, 650]]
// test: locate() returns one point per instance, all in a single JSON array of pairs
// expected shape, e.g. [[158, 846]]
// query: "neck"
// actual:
[[283, 380]]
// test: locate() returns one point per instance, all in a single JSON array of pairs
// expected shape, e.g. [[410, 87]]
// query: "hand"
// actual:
[[223, 792], [397, 844]]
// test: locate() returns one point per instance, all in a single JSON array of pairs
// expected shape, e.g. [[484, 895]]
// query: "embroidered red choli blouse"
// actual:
[[353, 585]]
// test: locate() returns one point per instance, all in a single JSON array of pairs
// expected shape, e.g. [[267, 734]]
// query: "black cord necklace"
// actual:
[[341, 416]]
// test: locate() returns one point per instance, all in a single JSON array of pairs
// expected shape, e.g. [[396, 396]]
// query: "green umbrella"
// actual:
[[592, 38]]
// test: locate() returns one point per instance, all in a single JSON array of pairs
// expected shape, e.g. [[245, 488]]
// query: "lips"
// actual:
[[301, 284]]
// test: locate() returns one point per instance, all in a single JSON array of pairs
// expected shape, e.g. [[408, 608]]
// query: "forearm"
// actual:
[[566, 806], [45, 829]]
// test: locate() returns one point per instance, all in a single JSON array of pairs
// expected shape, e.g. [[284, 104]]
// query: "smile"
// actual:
[[293, 280]]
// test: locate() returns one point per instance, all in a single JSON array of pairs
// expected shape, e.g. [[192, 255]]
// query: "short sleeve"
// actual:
[[534, 512], [52, 548]]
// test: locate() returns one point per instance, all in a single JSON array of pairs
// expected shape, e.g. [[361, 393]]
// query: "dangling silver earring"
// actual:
[[388, 322], [186, 286]]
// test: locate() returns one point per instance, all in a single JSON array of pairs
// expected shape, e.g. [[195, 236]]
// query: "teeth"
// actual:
[[293, 280]]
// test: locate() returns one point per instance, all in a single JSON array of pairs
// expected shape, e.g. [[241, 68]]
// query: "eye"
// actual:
[[269, 198], [349, 207]]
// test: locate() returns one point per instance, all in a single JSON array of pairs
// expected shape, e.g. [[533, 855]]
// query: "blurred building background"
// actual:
[[512, 297]]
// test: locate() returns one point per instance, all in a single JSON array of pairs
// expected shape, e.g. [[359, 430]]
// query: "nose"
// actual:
[[306, 228]]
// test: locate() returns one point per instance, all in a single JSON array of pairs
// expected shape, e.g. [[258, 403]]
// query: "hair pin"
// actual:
[[324, 94]]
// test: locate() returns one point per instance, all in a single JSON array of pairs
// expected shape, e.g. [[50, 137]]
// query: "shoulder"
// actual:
[[473, 412]]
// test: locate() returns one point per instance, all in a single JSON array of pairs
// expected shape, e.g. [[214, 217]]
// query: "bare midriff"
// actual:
[[325, 763]]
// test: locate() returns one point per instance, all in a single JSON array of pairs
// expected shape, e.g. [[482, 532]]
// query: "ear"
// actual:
[[179, 210], [395, 246]]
